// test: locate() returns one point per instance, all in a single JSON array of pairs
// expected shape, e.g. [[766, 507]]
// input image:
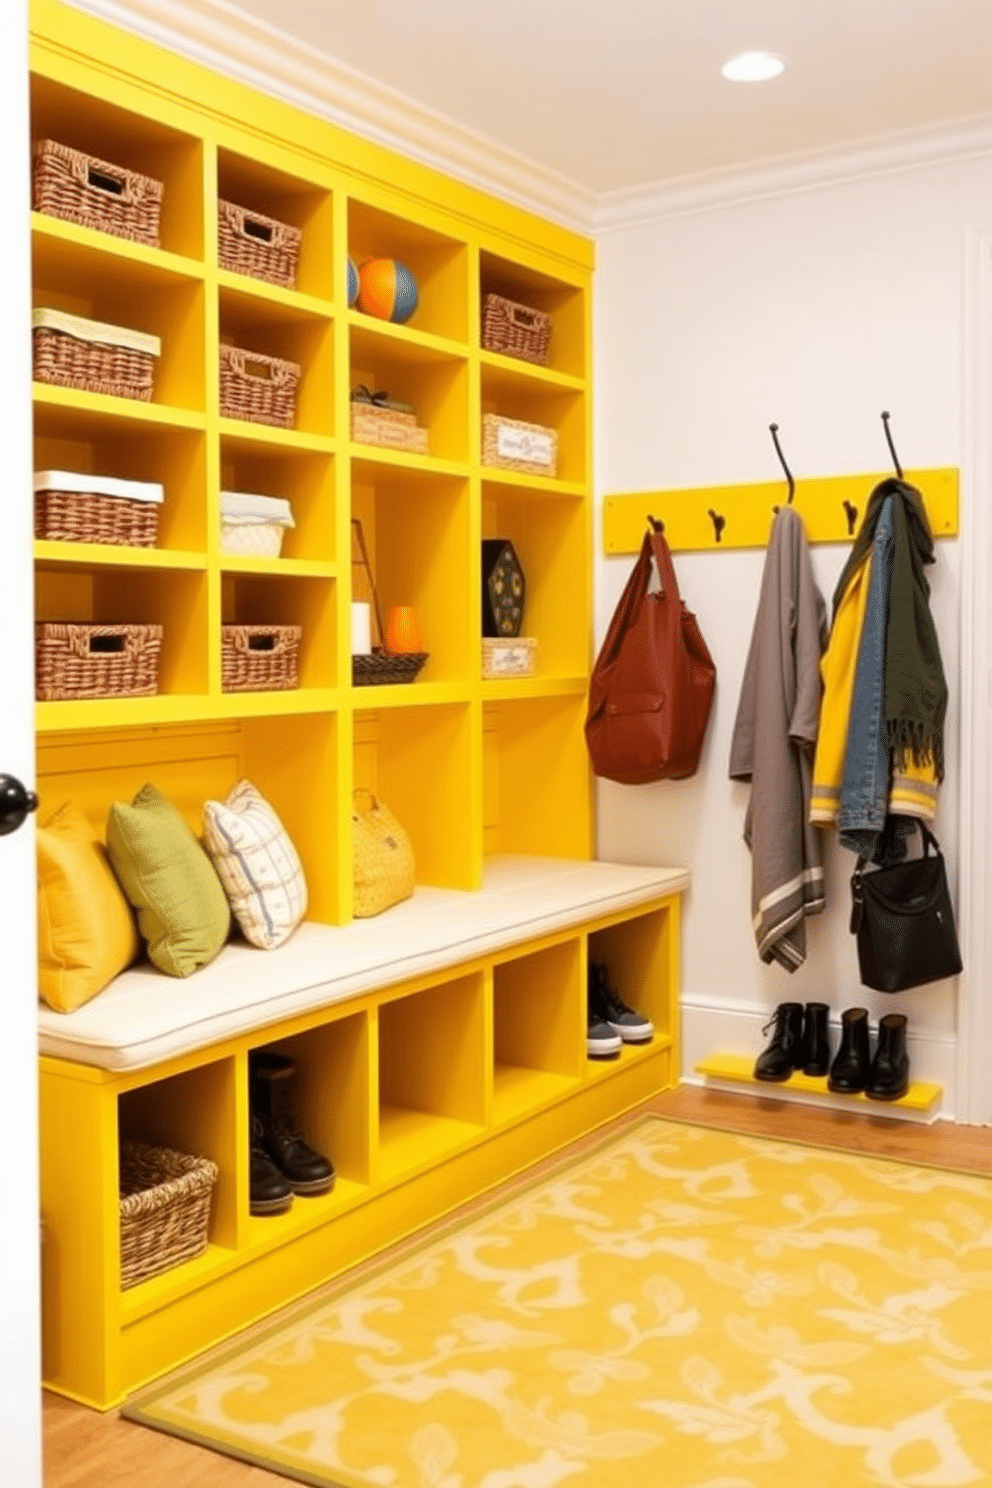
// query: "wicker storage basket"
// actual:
[[249, 243], [72, 352], [260, 658], [95, 661], [80, 188], [374, 425], [508, 656], [512, 444], [261, 389], [515, 330], [81, 508], [164, 1209]]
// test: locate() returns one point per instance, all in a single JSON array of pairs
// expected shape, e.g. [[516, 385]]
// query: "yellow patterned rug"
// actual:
[[676, 1308]]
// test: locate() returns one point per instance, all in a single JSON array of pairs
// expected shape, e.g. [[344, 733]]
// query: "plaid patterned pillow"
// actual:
[[257, 864]]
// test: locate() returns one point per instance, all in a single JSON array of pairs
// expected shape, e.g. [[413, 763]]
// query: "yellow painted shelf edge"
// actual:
[[922, 1095], [117, 249], [249, 288], [831, 509], [531, 372], [130, 409], [113, 555]]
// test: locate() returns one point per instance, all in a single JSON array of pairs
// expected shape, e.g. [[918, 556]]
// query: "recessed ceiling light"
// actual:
[[752, 67]]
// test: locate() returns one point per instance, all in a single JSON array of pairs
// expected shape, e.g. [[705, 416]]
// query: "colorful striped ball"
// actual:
[[387, 289], [352, 281]]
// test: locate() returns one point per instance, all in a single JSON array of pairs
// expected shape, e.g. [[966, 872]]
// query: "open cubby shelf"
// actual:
[[429, 1086]]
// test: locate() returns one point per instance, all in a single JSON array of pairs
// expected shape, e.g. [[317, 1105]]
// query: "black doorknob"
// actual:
[[15, 803]]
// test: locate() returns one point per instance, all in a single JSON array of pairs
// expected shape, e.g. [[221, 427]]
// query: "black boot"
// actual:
[[889, 1075], [268, 1191], [849, 1071], [816, 1042], [784, 1053], [273, 1101]]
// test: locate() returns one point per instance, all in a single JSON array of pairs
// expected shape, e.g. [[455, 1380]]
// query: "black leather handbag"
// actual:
[[904, 922]]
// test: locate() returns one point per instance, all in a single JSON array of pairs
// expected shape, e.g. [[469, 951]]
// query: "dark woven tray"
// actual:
[[380, 668]]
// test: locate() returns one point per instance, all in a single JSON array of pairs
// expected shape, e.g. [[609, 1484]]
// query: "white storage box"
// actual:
[[253, 525]]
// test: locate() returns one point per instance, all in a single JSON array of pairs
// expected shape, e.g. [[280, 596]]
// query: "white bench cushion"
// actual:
[[145, 1018]]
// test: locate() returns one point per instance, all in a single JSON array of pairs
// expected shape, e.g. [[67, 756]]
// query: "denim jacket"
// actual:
[[864, 799]]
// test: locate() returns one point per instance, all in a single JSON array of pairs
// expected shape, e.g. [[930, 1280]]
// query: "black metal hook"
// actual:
[[719, 522], [892, 448], [778, 451], [655, 525]]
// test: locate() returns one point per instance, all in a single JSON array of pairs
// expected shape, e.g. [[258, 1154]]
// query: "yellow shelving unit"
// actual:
[[424, 1092]]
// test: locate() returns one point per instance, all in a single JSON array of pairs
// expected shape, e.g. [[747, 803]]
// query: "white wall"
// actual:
[[816, 310]]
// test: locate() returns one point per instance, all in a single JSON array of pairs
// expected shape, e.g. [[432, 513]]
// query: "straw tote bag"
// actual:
[[651, 689], [382, 856]]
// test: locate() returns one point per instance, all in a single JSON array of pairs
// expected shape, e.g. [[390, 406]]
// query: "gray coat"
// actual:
[[772, 745]]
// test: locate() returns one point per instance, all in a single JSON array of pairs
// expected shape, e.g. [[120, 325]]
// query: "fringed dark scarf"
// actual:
[[915, 688]]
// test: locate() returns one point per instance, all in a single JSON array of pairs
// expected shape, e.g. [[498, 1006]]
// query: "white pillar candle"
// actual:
[[361, 631]]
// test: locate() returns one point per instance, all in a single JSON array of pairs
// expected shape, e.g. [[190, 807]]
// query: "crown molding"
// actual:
[[221, 36], [959, 139]]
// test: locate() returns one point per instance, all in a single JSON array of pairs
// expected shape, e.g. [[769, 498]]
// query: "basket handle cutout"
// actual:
[[106, 643], [260, 230], [104, 182], [262, 642], [520, 315], [261, 371]]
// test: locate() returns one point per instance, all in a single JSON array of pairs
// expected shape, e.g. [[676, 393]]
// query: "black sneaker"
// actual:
[[601, 1040], [606, 1004]]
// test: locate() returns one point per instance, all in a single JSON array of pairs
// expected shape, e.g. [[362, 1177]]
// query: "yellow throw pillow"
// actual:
[[86, 929]]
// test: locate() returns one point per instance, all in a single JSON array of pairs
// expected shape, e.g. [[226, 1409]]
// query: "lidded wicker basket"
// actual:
[[74, 352], [260, 389], [164, 1209], [95, 661], [262, 247], [72, 507], [515, 330], [80, 188], [260, 658]]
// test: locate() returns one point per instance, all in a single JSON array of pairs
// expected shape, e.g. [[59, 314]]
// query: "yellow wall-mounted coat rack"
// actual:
[[719, 518]]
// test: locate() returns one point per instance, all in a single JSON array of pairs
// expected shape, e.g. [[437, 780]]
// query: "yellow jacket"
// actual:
[[913, 787]]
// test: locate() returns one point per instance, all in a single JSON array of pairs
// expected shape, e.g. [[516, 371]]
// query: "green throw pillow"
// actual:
[[183, 911]]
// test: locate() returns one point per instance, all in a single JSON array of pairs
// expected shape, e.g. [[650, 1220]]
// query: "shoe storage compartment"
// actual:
[[641, 958], [192, 1113], [283, 197], [334, 1111], [538, 1029], [431, 1086], [565, 303]]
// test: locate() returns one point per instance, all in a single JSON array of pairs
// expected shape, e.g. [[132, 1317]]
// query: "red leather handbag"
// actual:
[[651, 689]]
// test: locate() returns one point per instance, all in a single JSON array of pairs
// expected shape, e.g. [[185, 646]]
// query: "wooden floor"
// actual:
[[84, 1449]]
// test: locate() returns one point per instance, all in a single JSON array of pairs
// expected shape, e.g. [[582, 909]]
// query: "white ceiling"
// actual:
[[615, 94]]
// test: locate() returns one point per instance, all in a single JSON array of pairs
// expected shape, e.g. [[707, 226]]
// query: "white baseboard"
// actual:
[[710, 1026]]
